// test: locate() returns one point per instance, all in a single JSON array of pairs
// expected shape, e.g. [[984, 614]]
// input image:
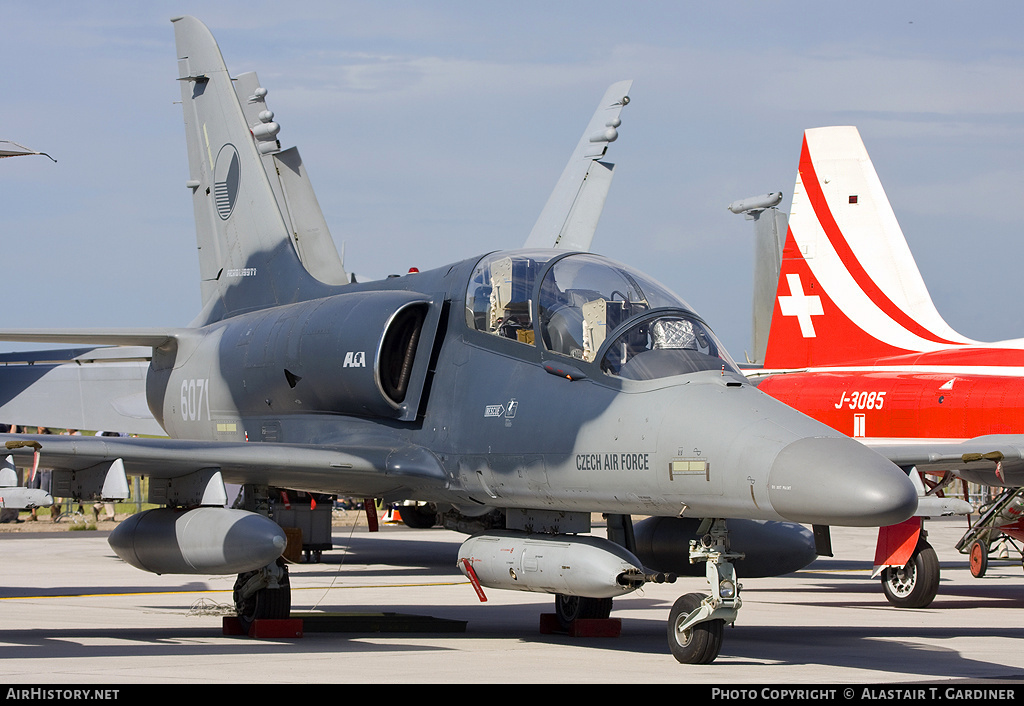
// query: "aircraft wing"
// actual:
[[570, 216], [996, 459], [361, 470], [13, 149]]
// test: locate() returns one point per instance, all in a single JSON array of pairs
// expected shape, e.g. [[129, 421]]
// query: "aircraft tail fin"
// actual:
[[571, 213], [769, 234], [246, 257], [849, 289]]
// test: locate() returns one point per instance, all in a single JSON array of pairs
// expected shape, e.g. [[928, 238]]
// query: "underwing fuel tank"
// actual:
[[205, 540], [769, 548], [568, 564]]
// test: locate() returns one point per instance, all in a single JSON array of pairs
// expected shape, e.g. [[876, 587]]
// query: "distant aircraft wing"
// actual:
[[13, 149], [362, 470], [996, 459], [571, 214]]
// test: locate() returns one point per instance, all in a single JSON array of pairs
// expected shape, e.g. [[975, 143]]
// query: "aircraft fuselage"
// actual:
[[395, 365]]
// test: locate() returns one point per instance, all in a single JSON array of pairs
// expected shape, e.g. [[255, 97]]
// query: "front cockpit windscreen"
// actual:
[[583, 299], [671, 344]]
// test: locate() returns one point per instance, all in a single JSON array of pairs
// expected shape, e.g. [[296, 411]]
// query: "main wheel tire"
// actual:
[[569, 609], [979, 558], [913, 585], [698, 644], [265, 604], [418, 516]]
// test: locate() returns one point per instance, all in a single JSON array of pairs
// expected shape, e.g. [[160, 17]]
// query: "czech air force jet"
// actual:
[[518, 391]]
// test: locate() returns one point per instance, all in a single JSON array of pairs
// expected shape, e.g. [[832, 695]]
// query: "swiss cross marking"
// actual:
[[801, 306]]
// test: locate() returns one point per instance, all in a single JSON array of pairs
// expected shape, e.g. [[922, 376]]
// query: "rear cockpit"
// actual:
[[592, 310]]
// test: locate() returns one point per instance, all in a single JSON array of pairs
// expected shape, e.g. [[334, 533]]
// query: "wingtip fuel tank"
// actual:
[[205, 540]]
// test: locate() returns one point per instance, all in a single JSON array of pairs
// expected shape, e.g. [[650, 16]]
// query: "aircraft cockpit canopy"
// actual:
[[593, 310]]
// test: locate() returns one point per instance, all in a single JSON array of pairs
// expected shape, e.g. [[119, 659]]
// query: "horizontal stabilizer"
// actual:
[[151, 337], [78, 388]]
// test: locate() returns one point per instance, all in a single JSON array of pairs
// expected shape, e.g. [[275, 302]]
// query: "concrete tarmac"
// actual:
[[72, 613]]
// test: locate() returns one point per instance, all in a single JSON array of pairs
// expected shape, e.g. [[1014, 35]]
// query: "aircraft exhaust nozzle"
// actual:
[[839, 481], [205, 540], [568, 564]]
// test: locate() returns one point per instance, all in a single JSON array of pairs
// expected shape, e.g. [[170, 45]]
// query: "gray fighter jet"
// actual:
[[519, 392]]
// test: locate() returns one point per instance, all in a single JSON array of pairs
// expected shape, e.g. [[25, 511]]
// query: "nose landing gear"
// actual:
[[695, 623]]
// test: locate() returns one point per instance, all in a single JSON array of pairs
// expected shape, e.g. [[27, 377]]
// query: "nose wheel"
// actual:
[[696, 622], [690, 642], [913, 585]]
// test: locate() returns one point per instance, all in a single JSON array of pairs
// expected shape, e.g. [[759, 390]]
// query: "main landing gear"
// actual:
[[569, 609], [263, 594], [696, 622]]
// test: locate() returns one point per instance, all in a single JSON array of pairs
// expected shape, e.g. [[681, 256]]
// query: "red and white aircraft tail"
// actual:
[[849, 289]]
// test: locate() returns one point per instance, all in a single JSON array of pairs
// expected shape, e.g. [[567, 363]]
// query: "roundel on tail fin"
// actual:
[[225, 180]]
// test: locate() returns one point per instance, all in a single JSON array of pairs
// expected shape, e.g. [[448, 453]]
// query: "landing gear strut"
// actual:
[[695, 623], [263, 594]]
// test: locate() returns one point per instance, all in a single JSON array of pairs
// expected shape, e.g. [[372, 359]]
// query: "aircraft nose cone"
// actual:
[[838, 481]]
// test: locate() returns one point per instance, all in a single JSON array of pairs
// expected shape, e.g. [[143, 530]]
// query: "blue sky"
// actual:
[[433, 131]]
